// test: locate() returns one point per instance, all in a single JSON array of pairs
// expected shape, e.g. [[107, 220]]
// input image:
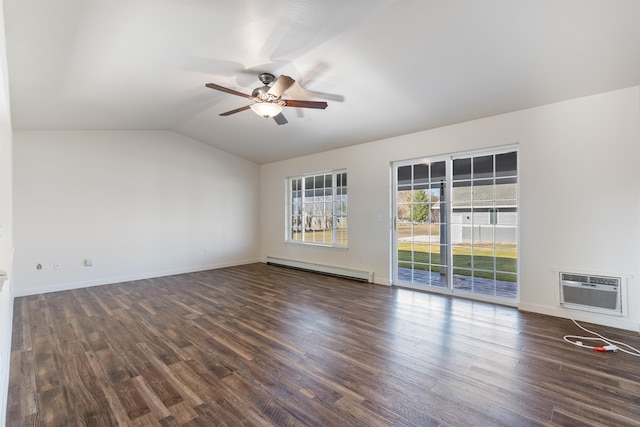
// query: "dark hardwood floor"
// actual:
[[265, 345]]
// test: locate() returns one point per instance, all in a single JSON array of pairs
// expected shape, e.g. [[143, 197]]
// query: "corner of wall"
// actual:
[[6, 222]]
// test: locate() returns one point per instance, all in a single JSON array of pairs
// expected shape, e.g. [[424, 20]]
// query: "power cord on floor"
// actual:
[[610, 345]]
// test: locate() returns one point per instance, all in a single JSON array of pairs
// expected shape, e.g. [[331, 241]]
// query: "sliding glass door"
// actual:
[[484, 224], [420, 228], [455, 226]]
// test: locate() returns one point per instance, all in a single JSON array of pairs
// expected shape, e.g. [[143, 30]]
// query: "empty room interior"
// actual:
[[341, 213]]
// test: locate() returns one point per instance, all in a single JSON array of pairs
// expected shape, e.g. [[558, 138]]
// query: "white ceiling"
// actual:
[[386, 67]]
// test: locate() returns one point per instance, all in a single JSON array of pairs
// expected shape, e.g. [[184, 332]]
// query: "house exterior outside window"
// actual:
[[317, 208]]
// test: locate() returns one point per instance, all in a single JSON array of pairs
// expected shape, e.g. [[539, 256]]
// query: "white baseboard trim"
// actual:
[[366, 276], [127, 278], [582, 316]]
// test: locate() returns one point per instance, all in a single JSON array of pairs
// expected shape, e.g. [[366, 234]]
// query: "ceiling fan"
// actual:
[[267, 100]]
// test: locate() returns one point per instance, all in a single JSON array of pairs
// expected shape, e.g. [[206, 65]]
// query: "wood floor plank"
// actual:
[[131, 399], [221, 401], [157, 406], [160, 386], [114, 366], [259, 401], [85, 399], [259, 345], [53, 407]]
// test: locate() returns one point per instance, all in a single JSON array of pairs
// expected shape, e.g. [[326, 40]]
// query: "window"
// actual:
[[493, 216], [317, 208]]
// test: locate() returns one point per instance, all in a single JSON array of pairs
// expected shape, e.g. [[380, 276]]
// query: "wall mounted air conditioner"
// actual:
[[598, 294]]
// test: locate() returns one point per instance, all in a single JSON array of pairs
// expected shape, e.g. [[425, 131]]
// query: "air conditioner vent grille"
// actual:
[[600, 294], [575, 278], [612, 281]]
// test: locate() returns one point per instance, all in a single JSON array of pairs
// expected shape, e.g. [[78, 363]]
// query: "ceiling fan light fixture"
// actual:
[[266, 109]]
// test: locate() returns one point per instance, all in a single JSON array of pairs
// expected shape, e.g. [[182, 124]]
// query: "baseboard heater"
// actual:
[[598, 294], [361, 275]]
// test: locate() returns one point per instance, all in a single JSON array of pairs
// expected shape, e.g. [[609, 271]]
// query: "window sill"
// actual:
[[320, 245]]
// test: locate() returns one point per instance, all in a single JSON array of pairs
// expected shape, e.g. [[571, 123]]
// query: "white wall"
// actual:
[[139, 203], [579, 195]]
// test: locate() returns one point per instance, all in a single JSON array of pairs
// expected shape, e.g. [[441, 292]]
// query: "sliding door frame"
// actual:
[[449, 288]]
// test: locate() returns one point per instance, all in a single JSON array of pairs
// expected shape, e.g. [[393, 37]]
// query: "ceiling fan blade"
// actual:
[[280, 119], [227, 90], [281, 84], [324, 95], [237, 110], [305, 104]]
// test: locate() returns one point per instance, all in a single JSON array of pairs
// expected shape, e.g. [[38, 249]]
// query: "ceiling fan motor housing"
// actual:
[[260, 93]]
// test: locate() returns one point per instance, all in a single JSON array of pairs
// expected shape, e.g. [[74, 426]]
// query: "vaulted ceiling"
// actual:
[[385, 67]]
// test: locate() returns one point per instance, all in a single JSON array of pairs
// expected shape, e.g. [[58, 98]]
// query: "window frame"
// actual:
[[295, 209]]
